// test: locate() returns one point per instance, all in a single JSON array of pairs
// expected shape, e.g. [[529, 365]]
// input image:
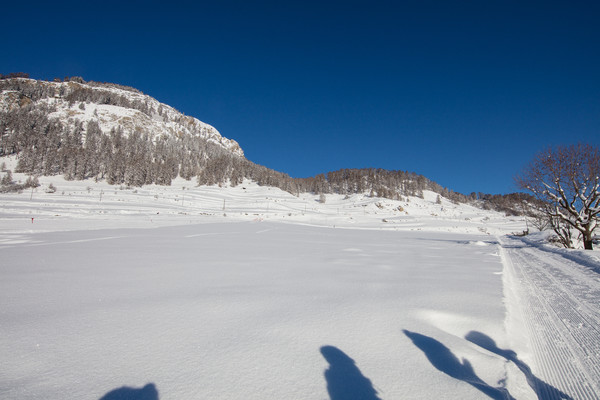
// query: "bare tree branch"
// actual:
[[567, 179]]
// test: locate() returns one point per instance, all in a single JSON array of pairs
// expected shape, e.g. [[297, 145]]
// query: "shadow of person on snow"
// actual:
[[444, 360], [148, 392], [542, 389], [344, 379]]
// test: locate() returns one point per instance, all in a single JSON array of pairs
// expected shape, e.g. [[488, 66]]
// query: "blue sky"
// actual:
[[463, 92]]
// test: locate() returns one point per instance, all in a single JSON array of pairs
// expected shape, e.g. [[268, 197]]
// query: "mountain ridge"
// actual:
[[108, 131]]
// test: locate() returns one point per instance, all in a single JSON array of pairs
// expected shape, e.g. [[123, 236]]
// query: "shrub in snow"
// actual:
[[7, 179], [32, 182]]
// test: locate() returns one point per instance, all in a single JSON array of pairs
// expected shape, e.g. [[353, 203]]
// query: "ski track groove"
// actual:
[[561, 305], [580, 320]]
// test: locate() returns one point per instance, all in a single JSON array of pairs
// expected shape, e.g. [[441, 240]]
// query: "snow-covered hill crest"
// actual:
[[111, 106]]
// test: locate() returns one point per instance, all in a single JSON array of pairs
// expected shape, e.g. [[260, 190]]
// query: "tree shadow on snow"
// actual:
[[541, 388], [574, 256], [444, 360], [459, 241], [148, 392], [344, 379]]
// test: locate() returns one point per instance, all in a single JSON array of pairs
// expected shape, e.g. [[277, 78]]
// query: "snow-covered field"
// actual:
[[188, 292]]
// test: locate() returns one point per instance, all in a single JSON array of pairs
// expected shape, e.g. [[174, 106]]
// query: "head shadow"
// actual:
[[542, 389], [148, 392], [344, 379]]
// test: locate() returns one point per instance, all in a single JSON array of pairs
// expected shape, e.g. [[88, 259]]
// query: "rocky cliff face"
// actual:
[[112, 106], [103, 131]]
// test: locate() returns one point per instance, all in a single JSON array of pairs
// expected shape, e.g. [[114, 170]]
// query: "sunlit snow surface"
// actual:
[[252, 293]]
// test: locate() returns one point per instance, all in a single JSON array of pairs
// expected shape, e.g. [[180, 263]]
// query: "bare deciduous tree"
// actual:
[[566, 179]]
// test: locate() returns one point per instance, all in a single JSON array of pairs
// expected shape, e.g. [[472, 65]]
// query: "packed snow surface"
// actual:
[[189, 292]]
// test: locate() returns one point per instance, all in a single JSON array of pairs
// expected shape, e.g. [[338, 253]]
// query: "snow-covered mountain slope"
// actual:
[[183, 202], [111, 105], [103, 131]]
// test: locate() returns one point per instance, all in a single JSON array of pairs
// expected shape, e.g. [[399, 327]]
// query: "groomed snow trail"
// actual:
[[560, 302]]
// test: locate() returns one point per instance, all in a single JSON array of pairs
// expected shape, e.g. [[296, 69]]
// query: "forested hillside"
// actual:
[[102, 131], [105, 131]]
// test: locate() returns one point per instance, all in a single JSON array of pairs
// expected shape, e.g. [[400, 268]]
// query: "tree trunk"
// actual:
[[587, 238]]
